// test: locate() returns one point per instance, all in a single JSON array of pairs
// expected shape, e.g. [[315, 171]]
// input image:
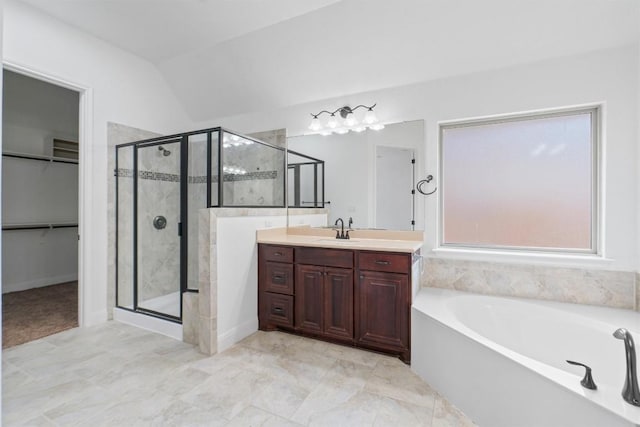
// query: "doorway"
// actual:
[[40, 193], [394, 188]]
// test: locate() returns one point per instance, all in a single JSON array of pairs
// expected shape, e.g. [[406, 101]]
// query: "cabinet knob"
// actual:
[[277, 310], [382, 262], [277, 254]]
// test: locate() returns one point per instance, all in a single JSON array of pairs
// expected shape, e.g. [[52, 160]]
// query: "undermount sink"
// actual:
[[334, 240]]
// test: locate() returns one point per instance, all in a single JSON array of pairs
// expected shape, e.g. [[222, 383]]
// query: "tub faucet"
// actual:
[[630, 392]]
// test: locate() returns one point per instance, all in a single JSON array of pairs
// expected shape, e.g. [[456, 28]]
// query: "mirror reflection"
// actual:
[[367, 176]]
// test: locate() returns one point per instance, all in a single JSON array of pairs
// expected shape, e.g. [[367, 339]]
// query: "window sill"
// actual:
[[528, 257]]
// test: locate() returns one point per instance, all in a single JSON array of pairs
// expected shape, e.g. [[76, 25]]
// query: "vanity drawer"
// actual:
[[279, 278], [382, 261], [279, 309], [277, 253], [325, 257]]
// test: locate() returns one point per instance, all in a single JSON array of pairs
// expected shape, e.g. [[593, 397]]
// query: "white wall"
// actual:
[[637, 178], [119, 87], [237, 261], [609, 76]]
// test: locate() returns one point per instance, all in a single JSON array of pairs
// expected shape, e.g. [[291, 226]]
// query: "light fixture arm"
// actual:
[[344, 111]]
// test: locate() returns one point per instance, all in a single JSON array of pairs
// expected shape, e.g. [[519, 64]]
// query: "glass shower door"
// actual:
[[158, 236]]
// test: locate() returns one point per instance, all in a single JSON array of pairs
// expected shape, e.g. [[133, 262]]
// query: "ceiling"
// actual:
[[162, 29], [228, 57]]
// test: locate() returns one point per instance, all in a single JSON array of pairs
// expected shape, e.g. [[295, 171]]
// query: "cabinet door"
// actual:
[[383, 310], [338, 303], [309, 296]]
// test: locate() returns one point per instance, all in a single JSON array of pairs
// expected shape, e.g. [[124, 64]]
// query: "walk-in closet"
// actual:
[[40, 123]]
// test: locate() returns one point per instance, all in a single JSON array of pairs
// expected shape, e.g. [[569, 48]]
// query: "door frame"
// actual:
[[85, 171]]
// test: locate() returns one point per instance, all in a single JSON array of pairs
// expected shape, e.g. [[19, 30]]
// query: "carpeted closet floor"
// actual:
[[36, 313]]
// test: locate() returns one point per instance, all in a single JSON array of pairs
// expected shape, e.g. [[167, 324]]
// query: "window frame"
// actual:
[[596, 112]]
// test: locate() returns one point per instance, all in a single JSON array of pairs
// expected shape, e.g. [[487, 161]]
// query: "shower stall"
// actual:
[[161, 184]]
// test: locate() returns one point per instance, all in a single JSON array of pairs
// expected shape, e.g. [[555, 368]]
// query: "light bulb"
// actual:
[[370, 117], [315, 124], [333, 122], [350, 120], [377, 126]]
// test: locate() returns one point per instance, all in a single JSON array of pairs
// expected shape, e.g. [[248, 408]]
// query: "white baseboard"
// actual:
[[37, 283], [94, 318], [238, 333]]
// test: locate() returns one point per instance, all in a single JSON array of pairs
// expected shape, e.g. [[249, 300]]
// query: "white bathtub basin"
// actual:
[[502, 361]]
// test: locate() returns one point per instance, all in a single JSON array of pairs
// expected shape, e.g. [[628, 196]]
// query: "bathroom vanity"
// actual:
[[356, 292]]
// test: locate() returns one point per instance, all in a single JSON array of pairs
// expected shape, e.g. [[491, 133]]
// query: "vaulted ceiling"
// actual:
[[226, 57]]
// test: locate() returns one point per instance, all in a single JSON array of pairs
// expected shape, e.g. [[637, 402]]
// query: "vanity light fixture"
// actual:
[[350, 122]]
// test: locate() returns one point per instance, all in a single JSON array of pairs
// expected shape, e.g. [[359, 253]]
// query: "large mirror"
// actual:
[[364, 176]]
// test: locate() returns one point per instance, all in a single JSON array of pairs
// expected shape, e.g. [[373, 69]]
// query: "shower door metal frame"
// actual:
[[182, 225]]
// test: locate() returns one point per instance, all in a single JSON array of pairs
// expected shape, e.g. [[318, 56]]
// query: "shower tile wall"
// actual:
[[158, 250], [120, 134], [263, 184], [196, 200], [573, 285]]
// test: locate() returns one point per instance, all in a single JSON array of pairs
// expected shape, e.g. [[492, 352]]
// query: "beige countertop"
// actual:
[[369, 240]]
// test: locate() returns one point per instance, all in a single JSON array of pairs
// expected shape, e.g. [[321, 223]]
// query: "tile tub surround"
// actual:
[[574, 285], [114, 374]]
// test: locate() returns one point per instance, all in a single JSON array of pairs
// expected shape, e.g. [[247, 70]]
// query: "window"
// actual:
[[521, 182]]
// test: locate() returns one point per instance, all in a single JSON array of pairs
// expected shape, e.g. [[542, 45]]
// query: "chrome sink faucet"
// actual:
[[630, 392], [340, 234]]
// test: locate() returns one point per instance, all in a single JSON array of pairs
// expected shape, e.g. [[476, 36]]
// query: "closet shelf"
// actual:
[[39, 225], [39, 157]]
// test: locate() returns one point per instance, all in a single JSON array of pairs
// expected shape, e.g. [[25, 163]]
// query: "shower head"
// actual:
[[620, 333], [165, 152]]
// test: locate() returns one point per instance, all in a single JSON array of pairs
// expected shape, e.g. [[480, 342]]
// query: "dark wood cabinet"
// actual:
[[338, 303], [360, 298], [309, 297], [384, 311], [275, 287], [324, 301]]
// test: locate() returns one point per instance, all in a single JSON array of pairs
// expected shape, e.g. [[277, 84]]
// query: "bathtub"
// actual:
[[502, 361]]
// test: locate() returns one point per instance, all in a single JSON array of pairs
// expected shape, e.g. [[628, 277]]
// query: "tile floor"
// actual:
[[117, 375]]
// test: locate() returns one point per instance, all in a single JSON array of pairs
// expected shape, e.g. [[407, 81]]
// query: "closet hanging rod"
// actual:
[[40, 158], [40, 226]]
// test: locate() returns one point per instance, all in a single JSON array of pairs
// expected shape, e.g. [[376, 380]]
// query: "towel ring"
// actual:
[[422, 182]]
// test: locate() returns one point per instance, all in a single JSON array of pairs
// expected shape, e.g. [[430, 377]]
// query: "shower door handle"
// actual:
[[179, 229]]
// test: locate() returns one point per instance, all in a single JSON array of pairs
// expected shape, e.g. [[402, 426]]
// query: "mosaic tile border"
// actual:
[[201, 179]]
